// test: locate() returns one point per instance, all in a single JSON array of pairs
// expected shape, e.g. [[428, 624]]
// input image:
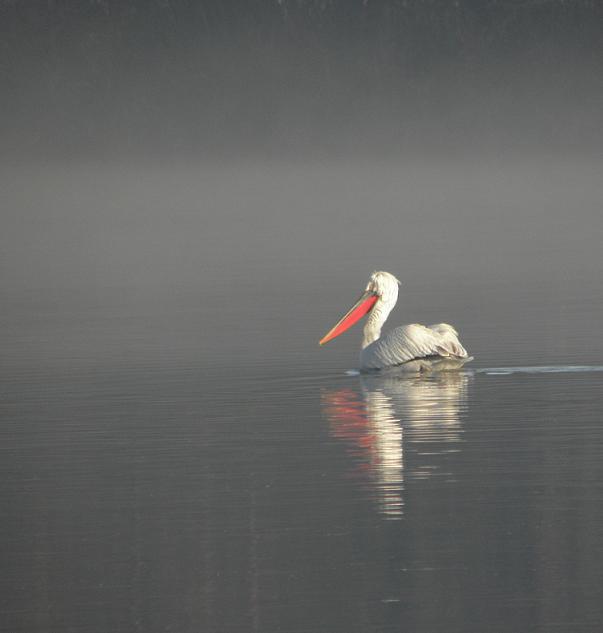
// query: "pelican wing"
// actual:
[[410, 342]]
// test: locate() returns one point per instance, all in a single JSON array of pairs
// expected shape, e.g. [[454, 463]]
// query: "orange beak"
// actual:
[[354, 314]]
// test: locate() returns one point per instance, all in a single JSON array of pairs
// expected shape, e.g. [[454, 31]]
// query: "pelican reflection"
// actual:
[[398, 428]]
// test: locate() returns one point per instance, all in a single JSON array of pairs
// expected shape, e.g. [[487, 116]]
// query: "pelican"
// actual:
[[414, 347]]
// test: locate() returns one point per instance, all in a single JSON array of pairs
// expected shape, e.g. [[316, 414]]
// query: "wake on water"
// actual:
[[545, 369]]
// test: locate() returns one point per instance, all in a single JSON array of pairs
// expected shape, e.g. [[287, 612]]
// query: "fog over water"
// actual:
[[192, 194], [499, 245]]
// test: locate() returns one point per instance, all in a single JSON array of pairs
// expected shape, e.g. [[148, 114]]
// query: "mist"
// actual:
[[164, 142], [208, 80], [218, 159]]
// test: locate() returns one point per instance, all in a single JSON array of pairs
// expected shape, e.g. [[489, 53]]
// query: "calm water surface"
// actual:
[[181, 456]]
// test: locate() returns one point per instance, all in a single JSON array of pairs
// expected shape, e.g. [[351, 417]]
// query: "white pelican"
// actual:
[[415, 346]]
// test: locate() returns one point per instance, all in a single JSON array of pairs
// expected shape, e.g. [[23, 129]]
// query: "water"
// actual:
[[178, 454]]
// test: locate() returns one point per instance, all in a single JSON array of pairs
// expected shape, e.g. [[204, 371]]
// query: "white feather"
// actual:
[[408, 342]]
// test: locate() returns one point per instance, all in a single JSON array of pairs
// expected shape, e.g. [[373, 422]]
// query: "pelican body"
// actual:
[[415, 347]]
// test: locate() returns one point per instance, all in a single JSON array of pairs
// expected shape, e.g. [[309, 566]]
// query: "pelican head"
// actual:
[[382, 289], [383, 285]]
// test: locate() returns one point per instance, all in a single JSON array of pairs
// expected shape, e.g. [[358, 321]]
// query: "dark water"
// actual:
[[179, 455]]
